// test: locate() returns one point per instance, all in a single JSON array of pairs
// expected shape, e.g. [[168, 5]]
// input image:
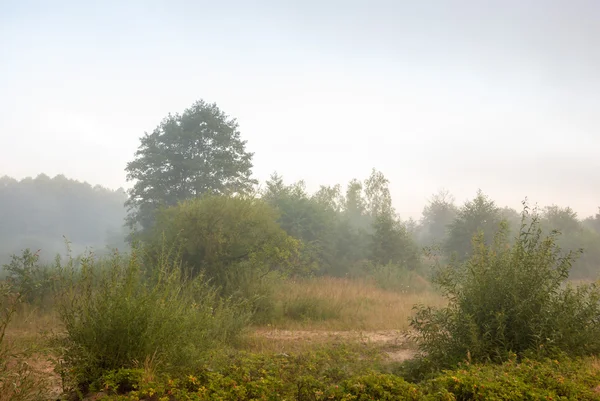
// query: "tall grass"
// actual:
[[119, 313], [327, 303], [18, 380]]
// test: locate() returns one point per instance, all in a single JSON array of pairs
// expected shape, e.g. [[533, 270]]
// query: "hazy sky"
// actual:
[[498, 95]]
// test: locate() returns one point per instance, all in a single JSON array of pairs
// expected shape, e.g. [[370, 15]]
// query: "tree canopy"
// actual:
[[187, 155], [477, 215]]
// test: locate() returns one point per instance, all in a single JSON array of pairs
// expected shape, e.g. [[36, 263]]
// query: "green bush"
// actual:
[[235, 242], [117, 315], [337, 375], [561, 379], [240, 376], [217, 233], [38, 282], [509, 298]]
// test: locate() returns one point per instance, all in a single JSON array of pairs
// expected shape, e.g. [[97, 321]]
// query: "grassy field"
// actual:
[[310, 315], [340, 332], [344, 304]]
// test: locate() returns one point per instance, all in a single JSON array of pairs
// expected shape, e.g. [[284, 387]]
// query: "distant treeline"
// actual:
[[343, 230], [39, 213]]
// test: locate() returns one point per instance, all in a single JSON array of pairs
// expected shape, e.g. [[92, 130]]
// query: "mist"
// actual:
[[458, 96]]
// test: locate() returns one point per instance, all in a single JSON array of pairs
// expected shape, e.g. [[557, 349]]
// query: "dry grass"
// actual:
[[26, 368], [30, 323], [344, 304]]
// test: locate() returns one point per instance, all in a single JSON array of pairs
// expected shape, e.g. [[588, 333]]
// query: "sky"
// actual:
[[501, 96]]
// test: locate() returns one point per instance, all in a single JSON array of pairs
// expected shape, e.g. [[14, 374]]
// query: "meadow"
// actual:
[[106, 328], [205, 287]]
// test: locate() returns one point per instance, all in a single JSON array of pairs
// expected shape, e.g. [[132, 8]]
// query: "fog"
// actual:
[[500, 96]]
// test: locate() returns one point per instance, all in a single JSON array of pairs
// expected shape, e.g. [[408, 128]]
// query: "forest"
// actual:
[[340, 227], [201, 283]]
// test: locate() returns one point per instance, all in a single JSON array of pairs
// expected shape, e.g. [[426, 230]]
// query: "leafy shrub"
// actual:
[[507, 299], [37, 282], [118, 315], [218, 232], [241, 376], [337, 375], [561, 379], [234, 241]]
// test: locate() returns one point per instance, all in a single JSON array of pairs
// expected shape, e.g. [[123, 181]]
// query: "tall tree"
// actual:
[[186, 156], [377, 193], [561, 219], [593, 222], [478, 215], [438, 214]]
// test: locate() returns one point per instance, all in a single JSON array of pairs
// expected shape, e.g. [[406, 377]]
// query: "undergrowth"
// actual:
[[509, 299], [120, 314], [336, 375]]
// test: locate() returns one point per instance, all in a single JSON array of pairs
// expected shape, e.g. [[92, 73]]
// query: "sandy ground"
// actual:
[[394, 343]]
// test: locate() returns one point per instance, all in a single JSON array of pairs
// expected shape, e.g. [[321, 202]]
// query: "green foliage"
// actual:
[[186, 156], [339, 231], [438, 214], [574, 235], [391, 244], [509, 299], [562, 379], [37, 282], [478, 215], [235, 241], [321, 374], [593, 222], [117, 314], [336, 375], [311, 220]]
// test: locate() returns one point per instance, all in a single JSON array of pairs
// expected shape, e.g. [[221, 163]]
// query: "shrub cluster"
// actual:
[[331, 376], [118, 314], [509, 298]]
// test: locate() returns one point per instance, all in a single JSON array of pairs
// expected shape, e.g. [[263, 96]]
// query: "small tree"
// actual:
[[478, 215], [438, 214], [391, 243], [187, 156]]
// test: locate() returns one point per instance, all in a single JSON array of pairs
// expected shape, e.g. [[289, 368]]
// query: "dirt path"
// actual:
[[394, 343]]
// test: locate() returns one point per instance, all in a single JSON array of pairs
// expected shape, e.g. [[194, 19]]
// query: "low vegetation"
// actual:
[[509, 299], [118, 314], [336, 375], [333, 303]]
